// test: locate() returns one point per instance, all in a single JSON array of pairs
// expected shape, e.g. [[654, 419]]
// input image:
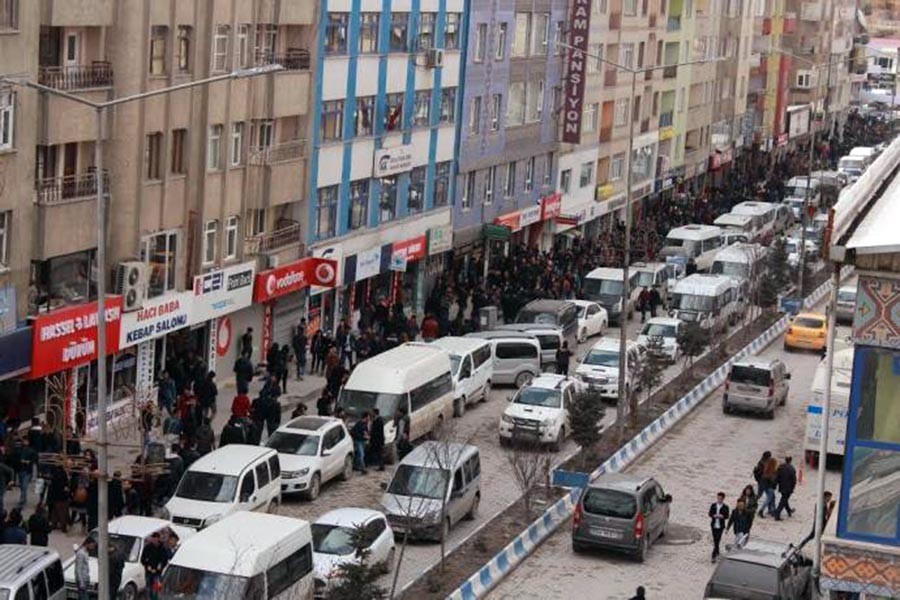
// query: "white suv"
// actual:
[[599, 369], [539, 412], [312, 451]]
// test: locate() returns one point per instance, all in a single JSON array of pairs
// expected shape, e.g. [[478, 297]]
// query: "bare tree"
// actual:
[[530, 463], [650, 372], [356, 580]]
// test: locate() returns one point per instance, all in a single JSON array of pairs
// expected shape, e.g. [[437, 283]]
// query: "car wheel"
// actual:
[[388, 565], [487, 391], [523, 379], [390, 454], [315, 486], [560, 438], [582, 336], [347, 471], [578, 547], [459, 407], [770, 414], [129, 592], [473, 511], [642, 552], [272, 507], [504, 442]]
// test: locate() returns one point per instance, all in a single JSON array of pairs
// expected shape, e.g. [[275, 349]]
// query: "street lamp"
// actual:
[[102, 442], [623, 402]]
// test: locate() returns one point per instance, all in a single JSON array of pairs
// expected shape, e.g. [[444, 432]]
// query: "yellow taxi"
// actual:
[[807, 332]]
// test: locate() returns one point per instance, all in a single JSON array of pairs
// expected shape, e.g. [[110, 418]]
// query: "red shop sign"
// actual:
[[294, 277], [67, 338], [512, 220], [414, 248], [551, 206]]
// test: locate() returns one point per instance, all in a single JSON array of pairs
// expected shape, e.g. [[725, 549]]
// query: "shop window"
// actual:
[[64, 280], [336, 33], [877, 375], [441, 183], [368, 33], [359, 204], [416, 200], [160, 252]]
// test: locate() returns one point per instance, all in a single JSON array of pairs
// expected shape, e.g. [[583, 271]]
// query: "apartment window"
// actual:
[[587, 174], [242, 46], [426, 30], [804, 79], [617, 166], [590, 117], [336, 33], [475, 116], [237, 144], [601, 6], [500, 50], [368, 33], [388, 202], [534, 100], [231, 237], [515, 104], [468, 191], [559, 36], [393, 115], [626, 53], [441, 184], [159, 34], [5, 226], [264, 42], [621, 112], [153, 156], [448, 105], [451, 31], [160, 253], [365, 115], [565, 180], [522, 38], [210, 229], [509, 183], [332, 120], [480, 44], [399, 32], [179, 150], [183, 48], [220, 48], [541, 34], [214, 148], [7, 119], [422, 108], [255, 222], [594, 64], [359, 204], [629, 7], [496, 107], [489, 182], [9, 15], [529, 174], [264, 132], [548, 168], [416, 200], [326, 209]]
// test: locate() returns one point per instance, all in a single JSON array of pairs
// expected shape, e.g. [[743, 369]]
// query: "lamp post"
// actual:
[[623, 400], [99, 109]]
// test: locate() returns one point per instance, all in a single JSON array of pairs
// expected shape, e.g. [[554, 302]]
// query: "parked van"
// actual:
[[784, 218], [853, 167], [711, 300], [245, 555], [234, 478], [472, 368], [694, 242], [604, 286], [599, 367], [31, 572], [764, 215], [432, 475], [416, 377], [744, 262], [870, 154], [744, 224], [561, 314], [840, 406], [517, 356], [550, 338], [756, 385], [654, 274]]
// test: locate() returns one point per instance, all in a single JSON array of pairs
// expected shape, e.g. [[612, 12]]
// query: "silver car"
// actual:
[[756, 385], [846, 304], [762, 569]]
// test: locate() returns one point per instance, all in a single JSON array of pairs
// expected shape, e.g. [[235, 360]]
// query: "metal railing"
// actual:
[[266, 155], [58, 190], [77, 77], [289, 233], [294, 59]]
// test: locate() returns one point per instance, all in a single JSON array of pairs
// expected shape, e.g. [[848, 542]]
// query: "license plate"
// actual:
[[606, 533], [746, 388]]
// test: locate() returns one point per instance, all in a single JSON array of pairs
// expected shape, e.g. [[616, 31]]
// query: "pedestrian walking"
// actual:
[[298, 344], [786, 478], [284, 358], [166, 393], [718, 518], [563, 356], [751, 503], [207, 394], [644, 300], [247, 344], [116, 495], [58, 498], [768, 483], [39, 527], [360, 435], [740, 521], [28, 459], [828, 503], [376, 440], [639, 594], [243, 374], [154, 559], [314, 343], [655, 300], [82, 567]]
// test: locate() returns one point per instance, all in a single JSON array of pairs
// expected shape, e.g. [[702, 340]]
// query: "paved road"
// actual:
[[706, 453]]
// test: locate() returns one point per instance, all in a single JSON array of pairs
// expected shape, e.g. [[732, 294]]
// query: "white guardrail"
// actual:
[[488, 576]]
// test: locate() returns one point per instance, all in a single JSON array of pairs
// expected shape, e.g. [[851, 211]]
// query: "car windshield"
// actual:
[[732, 269], [535, 396], [357, 402], [536, 316], [847, 296], [332, 539], [694, 302], [809, 322], [602, 289], [675, 242], [207, 487], [422, 482], [582, 312], [751, 375], [609, 503], [732, 575], [128, 546], [659, 330], [300, 444], [602, 358], [184, 582], [645, 279], [791, 247]]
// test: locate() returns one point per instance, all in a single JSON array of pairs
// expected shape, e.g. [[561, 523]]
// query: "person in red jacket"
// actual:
[[240, 406], [430, 329]]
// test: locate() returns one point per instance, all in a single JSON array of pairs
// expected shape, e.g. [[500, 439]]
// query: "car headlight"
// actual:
[[210, 520], [547, 422], [294, 474], [507, 419]]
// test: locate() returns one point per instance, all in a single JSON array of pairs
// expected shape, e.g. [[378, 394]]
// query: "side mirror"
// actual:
[[787, 375], [510, 398], [326, 451], [456, 494], [244, 498], [667, 498], [383, 486]]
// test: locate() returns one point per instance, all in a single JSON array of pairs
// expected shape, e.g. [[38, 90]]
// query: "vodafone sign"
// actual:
[[294, 277]]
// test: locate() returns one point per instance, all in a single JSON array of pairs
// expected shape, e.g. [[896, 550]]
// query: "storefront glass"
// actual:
[[63, 280]]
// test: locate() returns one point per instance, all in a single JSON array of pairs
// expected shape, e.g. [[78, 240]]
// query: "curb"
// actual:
[[505, 561]]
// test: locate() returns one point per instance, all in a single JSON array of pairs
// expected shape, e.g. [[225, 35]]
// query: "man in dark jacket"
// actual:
[[740, 520], [376, 440], [247, 343], [718, 517], [207, 395], [243, 374], [360, 435], [116, 495], [154, 559], [563, 356], [298, 344], [205, 437], [38, 526], [234, 432], [786, 477], [116, 566]]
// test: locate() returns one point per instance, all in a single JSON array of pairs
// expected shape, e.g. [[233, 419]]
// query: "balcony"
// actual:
[[666, 119], [277, 174], [670, 72], [267, 155], [673, 24], [296, 12], [295, 59], [77, 13], [615, 21], [288, 234], [66, 215], [98, 74], [70, 188]]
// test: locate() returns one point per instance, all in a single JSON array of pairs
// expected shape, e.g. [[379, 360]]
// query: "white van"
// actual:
[[599, 368], [245, 555], [694, 242], [744, 262], [604, 286], [473, 370], [415, 377], [853, 167], [870, 154], [234, 478], [795, 194], [840, 406], [517, 356], [744, 224], [764, 215], [654, 274], [30, 572], [711, 300]]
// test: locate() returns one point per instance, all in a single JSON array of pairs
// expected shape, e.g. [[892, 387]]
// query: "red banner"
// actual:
[[511, 220], [576, 70], [414, 248], [67, 338], [266, 330], [294, 277], [551, 206]]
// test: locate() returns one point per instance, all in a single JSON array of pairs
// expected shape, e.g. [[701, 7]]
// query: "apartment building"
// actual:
[[383, 152], [509, 126]]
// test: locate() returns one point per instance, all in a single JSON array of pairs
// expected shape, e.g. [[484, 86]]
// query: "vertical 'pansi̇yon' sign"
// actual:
[[578, 39]]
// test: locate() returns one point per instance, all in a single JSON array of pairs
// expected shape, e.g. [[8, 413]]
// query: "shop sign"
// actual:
[[783, 139], [335, 253], [115, 412], [492, 231], [576, 71], [222, 292], [7, 308], [399, 262], [530, 215], [412, 249], [368, 263], [440, 239], [390, 161], [266, 329], [605, 191], [15, 352], [67, 338], [146, 357], [511, 220], [156, 318], [551, 206], [294, 277], [224, 335], [617, 202]]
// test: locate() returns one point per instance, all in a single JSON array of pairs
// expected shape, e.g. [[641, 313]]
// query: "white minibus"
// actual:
[[698, 243], [711, 300], [604, 286], [764, 218]]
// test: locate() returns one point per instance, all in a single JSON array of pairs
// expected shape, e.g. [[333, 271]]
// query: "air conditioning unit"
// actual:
[[272, 261], [434, 58], [131, 283]]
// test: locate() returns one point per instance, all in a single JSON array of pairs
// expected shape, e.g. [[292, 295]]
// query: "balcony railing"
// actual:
[[670, 72], [288, 233], [666, 119], [77, 77], [59, 190], [266, 155], [295, 59], [673, 24]]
